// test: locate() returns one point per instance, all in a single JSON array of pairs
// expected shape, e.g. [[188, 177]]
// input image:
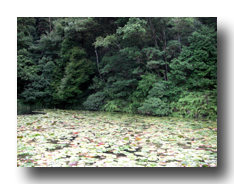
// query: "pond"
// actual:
[[69, 138], [29, 112]]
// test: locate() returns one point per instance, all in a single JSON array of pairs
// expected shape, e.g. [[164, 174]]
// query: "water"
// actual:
[[28, 112]]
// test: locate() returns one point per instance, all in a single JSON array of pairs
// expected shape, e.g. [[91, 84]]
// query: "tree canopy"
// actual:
[[163, 66]]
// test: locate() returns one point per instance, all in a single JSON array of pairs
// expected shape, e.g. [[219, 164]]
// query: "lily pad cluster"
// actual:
[[67, 138]]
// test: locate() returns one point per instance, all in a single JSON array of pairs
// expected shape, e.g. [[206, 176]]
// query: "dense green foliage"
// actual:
[[155, 66]]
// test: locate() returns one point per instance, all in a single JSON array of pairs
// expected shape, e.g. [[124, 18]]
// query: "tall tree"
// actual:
[[149, 65]]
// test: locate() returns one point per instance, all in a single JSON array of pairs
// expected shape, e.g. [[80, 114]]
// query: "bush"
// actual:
[[154, 106], [95, 101], [131, 107], [156, 103], [115, 105], [196, 105]]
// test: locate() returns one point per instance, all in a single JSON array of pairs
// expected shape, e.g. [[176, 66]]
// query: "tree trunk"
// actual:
[[179, 40], [164, 48], [50, 24], [166, 72], [153, 31], [97, 63]]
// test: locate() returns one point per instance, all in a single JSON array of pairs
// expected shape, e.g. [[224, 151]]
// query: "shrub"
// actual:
[[114, 105], [95, 101], [196, 105], [154, 106]]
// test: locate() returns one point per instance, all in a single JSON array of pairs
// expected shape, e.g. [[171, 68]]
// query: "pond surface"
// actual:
[[29, 112], [66, 138]]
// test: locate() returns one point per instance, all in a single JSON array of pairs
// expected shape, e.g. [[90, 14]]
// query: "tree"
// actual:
[[196, 67], [77, 73], [25, 65], [148, 65], [194, 73]]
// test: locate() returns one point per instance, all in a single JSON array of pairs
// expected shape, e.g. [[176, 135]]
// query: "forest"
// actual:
[[159, 66], [117, 91]]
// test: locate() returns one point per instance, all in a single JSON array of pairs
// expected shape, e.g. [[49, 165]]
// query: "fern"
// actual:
[[113, 105], [196, 105], [131, 107]]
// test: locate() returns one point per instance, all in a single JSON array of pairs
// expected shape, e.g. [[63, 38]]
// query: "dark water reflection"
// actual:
[[29, 111]]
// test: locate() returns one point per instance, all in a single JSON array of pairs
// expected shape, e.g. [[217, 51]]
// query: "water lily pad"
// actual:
[[140, 153], [116, 139], [153, 158]]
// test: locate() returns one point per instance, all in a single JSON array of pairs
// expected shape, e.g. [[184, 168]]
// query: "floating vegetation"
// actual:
[[68, 138]]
